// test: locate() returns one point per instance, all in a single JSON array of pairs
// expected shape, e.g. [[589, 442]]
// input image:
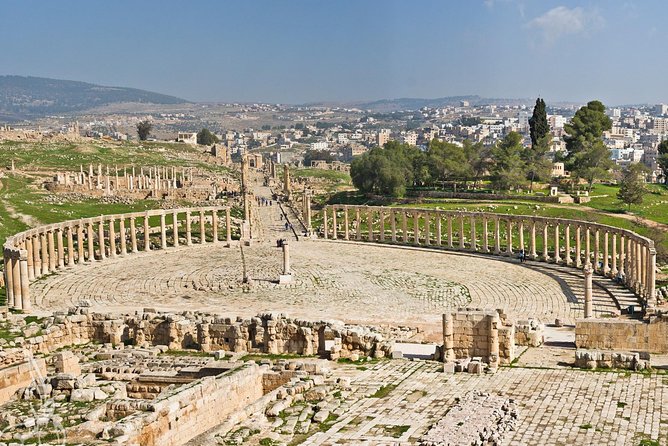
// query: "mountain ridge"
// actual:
[[26, 97]]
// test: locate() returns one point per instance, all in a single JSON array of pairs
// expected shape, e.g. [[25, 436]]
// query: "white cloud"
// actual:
[[562, 21]]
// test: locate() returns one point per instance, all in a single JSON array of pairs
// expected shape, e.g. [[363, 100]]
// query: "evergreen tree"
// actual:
[[206, 138], [587, 156], [507, 171], [632, 187], [662, 160], [535, 157]]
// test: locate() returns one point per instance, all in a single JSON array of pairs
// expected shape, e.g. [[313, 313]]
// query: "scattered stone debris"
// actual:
[[478, 418]]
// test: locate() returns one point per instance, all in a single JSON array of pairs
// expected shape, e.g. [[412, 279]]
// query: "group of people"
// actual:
[[261, 201]]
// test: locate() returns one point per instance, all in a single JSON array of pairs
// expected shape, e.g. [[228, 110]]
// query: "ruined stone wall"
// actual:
[[191, 410], [263, 334], [20, 375], [470, 333], [626, 335]]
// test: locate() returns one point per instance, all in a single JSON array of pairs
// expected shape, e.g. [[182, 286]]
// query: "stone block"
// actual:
[[396, 354], [83, 395]]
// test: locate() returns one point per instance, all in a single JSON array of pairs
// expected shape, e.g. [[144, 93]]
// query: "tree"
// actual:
[[206, 138], [312, 155], [632, 188], [387, 170], [662, 159], [507, 171], [538, 166], [587, 156], [144, 129], [447, 162]]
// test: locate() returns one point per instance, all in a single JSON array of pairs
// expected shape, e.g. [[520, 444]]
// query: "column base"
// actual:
[[284, 279]]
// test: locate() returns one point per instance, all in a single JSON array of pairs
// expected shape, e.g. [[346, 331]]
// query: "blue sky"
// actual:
[[296, 51]]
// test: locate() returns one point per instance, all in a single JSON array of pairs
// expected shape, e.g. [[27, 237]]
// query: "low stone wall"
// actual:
[[596, 359], [20, 375], [191, 410], [482, 196], [649, 335]]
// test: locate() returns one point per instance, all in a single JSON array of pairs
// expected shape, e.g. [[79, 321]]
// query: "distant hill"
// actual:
[[28, 97], [389, 105]]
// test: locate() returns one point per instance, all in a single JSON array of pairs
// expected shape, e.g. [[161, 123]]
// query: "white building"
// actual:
[[320, 145]]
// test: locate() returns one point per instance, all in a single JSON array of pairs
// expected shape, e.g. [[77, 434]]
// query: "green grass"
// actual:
[[272, 357], [384, 391], [332, 175], [186, 353], [396, 431]]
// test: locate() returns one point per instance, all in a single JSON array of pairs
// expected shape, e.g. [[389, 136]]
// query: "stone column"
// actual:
[[369, 217], [31, 264], [509, 237], [534, 253], [70, 246], [112, 238], [100, 239], [61, 248], [147, 233], [426, 228], [497, 235], [557, 255], [122, 236], [334, 224], [91, 241], [9, 279], [45, 253], [202, 227], [614, 270], [588, 298], [494, 322], [416, 227], [346, 224], [286, 258], [393, 225], [520, 230], [587, 245], [133, 234], [597, 267], [474, 244], [16, 282], [189, 240], [651, 277], [358, 222], [80, 242], [485, 241], [546, 242], [36, 257], [214, 225], [163, 231], [639, 267], [448, 337], [451, 244], [228, 227], [25, 282], [325, 225], [439, 231], [404, 226], [381, 217], [567, 239], [309, 226], [461, 232], [53, 259], [578, 246], [606, 267]]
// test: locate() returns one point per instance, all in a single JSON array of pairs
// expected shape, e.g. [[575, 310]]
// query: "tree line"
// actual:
[[507, 165]]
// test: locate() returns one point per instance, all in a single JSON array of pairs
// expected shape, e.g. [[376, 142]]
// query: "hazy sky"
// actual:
[[296, 51]]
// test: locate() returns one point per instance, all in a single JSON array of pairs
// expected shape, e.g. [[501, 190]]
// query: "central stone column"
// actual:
[[588, 297], [286, 276]]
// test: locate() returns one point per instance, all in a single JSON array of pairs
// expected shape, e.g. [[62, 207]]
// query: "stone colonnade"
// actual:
[[150, 178], [611, 252], [37, 252]]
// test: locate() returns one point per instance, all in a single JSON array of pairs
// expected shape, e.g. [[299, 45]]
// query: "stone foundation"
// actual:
[[649, 335], [20, 375], [594, 359]]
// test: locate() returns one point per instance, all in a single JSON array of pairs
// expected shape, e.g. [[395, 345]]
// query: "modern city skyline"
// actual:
[[302, 51]]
